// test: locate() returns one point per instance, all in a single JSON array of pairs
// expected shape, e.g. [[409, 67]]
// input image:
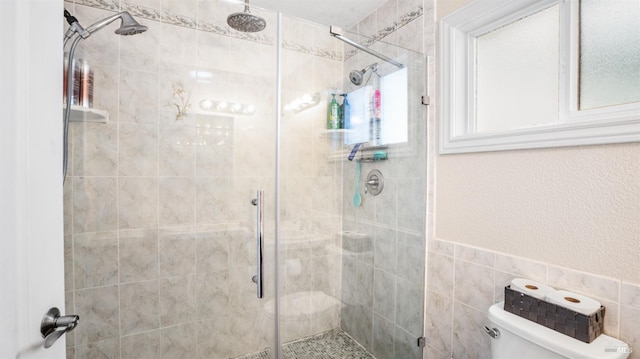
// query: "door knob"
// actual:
[[54, 325]]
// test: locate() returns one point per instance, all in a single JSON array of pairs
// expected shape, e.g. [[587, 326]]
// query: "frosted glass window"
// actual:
[[395, 112], [517, 74], [609, 53], [504, 86]]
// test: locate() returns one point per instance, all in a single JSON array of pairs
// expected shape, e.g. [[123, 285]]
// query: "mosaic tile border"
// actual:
[[173, 19], [191, 23], [333, 55]]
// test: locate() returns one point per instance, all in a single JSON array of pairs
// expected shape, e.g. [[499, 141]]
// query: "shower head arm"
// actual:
[[373, 66], [104, 22]]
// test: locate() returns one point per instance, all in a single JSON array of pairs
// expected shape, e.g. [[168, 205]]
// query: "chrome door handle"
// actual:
[[259, 203], [54, 325]]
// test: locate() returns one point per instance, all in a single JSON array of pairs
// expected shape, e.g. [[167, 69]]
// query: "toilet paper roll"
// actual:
[[530, 287], [573, 301]]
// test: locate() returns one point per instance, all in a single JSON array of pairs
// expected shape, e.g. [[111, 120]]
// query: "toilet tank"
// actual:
[[523, 339]]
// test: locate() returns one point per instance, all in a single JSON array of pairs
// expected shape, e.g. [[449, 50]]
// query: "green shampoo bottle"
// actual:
[[333, 114]]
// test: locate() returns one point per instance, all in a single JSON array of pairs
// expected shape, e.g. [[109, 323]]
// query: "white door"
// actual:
[[31, 216]]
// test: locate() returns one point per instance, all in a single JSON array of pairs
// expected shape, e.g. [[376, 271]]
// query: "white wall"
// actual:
[[31, 246]]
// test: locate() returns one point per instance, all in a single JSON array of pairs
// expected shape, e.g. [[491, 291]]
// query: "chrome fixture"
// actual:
[[337, 33], [493, 333], [54, 325], [74, 27], [128, 26], [374, 183], [245, 21], [356, 76], [259, 203]]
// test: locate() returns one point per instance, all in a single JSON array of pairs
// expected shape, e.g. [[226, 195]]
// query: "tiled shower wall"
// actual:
[[384, 238], [159, 228], [465, 281]]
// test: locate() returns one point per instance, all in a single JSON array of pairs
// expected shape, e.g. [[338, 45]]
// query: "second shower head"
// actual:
[[128, 25], [245, 21], [356, 76]]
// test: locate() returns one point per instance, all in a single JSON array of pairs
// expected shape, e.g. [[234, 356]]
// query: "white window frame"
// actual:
[[458, 33]]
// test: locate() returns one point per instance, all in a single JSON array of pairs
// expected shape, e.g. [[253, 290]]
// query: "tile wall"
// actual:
[[384, 238], [159, 228], [465, 281]]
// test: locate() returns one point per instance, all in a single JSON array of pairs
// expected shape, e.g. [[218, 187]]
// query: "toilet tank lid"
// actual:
[[603, 347]]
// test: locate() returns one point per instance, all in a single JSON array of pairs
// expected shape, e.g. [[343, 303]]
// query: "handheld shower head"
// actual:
[[356, 76], [245, 21], [128, 25]]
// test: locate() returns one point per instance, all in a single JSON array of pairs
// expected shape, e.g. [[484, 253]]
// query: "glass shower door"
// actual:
[[351, 278], [160, 229], [383, 238]]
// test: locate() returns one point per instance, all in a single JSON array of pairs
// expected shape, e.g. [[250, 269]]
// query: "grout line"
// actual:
[[117, 189]]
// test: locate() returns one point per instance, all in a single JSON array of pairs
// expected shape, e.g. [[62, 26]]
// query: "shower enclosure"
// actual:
[[160, 220]]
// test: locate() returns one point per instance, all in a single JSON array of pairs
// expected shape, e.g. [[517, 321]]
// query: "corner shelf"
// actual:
[[86, 114], [341, 131]]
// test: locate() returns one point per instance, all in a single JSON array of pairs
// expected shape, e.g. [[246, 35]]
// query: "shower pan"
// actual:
[[173, 222]]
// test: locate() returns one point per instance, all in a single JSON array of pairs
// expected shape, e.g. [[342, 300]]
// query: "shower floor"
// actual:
[[334, 344]]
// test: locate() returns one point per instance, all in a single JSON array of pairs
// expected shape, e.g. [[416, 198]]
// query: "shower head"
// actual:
[[245, 21], [128, 25], [356, 76]]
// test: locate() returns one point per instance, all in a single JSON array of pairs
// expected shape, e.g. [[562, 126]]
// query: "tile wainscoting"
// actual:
[[463, 282]]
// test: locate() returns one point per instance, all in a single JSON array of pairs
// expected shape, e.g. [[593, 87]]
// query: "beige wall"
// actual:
[[577, 207], [568, 217], [445, 7]]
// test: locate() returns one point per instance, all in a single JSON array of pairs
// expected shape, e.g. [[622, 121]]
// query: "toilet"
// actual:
[[516, 337]]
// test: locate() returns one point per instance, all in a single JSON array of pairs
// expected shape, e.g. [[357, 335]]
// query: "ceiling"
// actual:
[[342, 13]]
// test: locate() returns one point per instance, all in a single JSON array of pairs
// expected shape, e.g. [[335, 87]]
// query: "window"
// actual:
[[539, 73]]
